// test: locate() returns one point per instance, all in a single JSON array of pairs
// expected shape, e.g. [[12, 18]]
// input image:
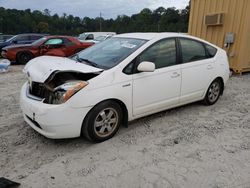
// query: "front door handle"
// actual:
[[175, 75]]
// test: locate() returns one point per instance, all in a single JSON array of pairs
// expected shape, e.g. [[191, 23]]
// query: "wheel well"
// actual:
[[123, 107], [124, 111], [222, 82], [28, 52]]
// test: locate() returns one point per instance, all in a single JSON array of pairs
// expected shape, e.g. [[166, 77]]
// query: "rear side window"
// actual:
[[67, 42], [192, 50], [211, 50]]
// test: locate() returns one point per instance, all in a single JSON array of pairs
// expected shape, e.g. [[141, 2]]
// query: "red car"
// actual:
[[63, 46]]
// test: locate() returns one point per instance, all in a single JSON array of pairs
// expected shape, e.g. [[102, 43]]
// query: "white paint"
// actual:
[[142, 93]]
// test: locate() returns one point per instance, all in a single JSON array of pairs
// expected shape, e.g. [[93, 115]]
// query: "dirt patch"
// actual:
[[190, 146]]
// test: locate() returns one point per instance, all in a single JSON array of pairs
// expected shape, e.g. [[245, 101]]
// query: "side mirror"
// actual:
[[44, 46], [14, 41], [146, 66]]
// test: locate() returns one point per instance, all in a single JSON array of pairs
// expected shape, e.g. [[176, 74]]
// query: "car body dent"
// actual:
[[42, 67]]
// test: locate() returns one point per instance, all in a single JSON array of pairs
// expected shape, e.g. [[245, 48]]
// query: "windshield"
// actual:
[[82, 36], [109, 53], [10, 39], [39, 41]]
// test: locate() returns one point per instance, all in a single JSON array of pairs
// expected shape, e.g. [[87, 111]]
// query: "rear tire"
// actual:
[[23, 57], [102, 122], [213, 93]]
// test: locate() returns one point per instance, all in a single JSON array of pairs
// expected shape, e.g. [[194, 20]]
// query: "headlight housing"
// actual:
[[65, 91]]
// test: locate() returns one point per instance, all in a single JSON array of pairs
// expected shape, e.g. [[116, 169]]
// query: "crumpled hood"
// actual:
[[40, 68]]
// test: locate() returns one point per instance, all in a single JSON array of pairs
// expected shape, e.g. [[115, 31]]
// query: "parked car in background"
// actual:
[[118, 80], [21, 39], [63, 46], [90, 37], [4, 37], [102, 38]]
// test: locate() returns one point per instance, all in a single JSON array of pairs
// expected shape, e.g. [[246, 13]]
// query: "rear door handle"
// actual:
[[175, 75]]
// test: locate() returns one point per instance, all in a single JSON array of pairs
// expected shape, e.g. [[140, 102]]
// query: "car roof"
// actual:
[[150, 36], [40, 34], [58, 36], [102, 33]]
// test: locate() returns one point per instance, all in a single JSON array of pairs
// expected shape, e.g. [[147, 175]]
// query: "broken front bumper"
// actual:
[[52, 121]]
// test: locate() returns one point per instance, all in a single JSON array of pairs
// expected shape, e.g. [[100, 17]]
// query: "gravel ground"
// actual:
[[191, 146]]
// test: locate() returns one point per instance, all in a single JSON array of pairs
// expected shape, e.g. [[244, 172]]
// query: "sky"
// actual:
[[92, 8]]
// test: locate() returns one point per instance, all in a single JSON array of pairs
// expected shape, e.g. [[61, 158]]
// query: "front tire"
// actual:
[[23, 57], [102, 122], [213, 93]]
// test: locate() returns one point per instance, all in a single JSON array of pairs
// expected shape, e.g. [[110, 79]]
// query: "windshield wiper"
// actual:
[[86, 61]]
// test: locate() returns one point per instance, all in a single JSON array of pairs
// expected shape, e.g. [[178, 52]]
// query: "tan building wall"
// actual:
[[236, 19]]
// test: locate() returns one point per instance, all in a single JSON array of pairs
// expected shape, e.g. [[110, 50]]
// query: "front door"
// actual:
[[54, 47], [158, 90]]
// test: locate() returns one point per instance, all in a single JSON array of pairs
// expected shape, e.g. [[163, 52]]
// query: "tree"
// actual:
[[14, 21], [46, 12], [42, 27]]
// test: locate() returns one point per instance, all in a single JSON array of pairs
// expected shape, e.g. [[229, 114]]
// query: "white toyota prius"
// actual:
[[121, 79]]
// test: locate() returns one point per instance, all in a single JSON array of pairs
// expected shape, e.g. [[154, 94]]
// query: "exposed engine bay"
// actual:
[[60, 86]]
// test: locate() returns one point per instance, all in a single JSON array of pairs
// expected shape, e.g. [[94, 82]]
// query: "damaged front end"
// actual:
[[60, 86]]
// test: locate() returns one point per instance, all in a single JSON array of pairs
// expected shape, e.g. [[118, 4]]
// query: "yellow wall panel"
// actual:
[[236, 20]]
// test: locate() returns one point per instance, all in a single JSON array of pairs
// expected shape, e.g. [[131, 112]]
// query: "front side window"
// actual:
[[163, 54], [54, 41], [192, 50], [109, 53]]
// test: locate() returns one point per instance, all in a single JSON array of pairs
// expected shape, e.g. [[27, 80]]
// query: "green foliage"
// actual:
[[14, 21]]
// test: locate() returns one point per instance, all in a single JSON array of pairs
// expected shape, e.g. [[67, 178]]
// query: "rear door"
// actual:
[[158, 90], [197, 69]]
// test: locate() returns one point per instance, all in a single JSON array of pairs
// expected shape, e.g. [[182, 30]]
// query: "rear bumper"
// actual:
[[52, 121]]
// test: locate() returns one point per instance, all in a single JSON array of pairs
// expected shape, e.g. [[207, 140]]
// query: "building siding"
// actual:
[[236, 20]]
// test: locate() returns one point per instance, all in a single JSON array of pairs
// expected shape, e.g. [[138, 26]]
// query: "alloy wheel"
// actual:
[[214, 92], [106, 122]]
